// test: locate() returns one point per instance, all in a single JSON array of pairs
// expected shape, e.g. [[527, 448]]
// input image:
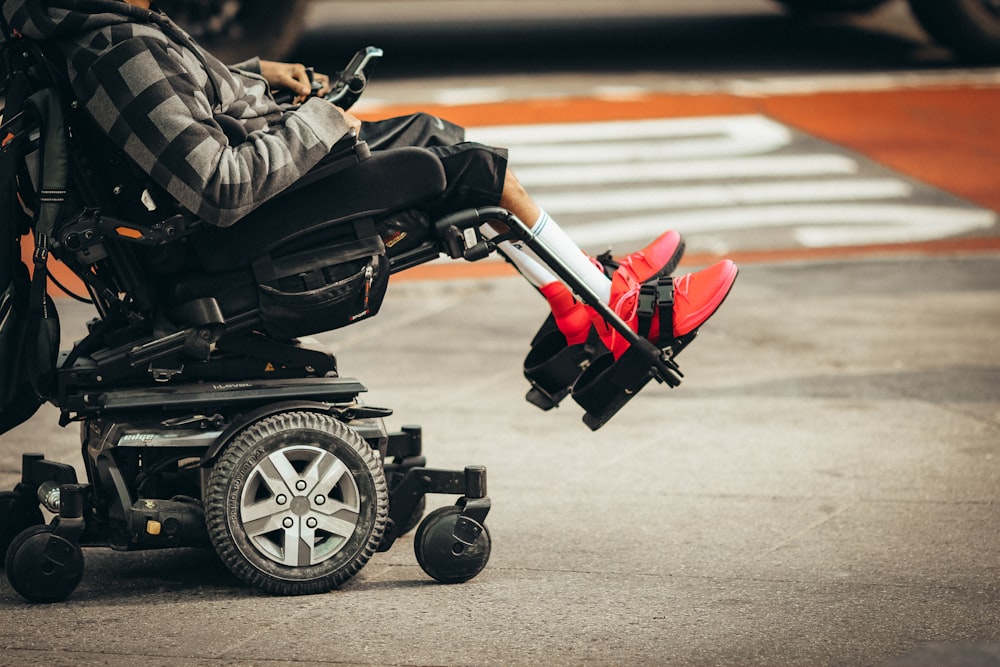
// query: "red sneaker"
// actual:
[[696, 297], [658, 258]]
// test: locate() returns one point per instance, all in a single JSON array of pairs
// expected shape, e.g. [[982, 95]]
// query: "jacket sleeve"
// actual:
[[251, 65], [153, 102]]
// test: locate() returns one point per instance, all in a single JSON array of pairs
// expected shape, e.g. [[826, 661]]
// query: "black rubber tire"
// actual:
[[970, 28], [16, 515], [43, 567], [441, 556], [807, 7], [260, 28], [300, 440]]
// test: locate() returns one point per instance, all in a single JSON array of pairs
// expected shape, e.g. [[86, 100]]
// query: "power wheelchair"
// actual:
[[207, 415]]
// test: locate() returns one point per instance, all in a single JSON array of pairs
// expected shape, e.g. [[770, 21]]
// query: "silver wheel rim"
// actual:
[[300, 506]]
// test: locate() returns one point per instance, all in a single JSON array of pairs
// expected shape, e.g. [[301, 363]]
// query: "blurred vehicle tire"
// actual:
[[815, 6], [970, 28], [234, 30], [238, 29]]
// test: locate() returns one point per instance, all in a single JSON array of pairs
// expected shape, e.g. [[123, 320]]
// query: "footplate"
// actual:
[[608, 384], [552, 367], [600, 384]]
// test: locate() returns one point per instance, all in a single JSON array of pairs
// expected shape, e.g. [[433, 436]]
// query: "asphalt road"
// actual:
[[821, 490]]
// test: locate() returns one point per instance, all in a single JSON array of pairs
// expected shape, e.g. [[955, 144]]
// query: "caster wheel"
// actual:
[[297, 503], [443, 557], [42, 566], [16, 515]]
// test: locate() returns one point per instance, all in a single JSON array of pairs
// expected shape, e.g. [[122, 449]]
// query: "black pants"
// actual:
[[474, 173], [474, 177]]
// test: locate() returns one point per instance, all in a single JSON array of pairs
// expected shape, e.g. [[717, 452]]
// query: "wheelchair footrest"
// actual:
[[608, 384], [600, 384], [552, 367]]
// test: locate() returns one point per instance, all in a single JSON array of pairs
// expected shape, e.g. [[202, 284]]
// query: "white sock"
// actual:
[[551, 235], [526, 262]]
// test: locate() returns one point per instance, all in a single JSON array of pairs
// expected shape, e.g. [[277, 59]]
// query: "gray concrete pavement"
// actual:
[[823, 489]]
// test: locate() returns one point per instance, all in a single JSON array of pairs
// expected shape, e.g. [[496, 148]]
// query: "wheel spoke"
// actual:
[[265, 524], [298, 546], [342, 526], [278, 473], [251, 512], [324, 474]]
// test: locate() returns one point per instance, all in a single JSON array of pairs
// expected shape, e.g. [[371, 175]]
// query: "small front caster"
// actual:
[[442, 555], [43, 566]]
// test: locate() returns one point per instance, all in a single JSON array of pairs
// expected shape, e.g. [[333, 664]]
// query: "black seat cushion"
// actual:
[[387, 181]]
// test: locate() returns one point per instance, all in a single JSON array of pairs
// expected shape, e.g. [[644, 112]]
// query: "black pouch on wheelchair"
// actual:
[[29, 345], [552, 366], [320, 289]]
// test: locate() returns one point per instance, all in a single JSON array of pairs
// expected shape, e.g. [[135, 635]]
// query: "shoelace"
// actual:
[[681, 290]]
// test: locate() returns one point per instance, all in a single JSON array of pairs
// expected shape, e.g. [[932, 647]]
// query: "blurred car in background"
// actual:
[[970, 28], [237, 29]]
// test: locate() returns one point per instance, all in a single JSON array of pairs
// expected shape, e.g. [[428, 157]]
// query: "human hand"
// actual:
[[352, 121], [324, 84], [290, 76]]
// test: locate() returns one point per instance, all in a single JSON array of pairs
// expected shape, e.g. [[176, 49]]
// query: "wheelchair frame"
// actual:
[[311, 482]]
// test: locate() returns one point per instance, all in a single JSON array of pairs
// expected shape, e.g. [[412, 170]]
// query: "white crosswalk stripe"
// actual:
[[687, 170], [622, 181]]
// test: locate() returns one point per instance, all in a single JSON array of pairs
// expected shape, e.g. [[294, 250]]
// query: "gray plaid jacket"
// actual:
[[156, 94]]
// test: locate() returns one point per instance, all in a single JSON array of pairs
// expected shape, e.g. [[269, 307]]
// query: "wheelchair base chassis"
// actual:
[[143, 433]]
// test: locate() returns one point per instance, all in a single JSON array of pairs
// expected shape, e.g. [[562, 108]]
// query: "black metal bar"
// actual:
[[406, 443], [418, 482], [335, 390], [35, 470]]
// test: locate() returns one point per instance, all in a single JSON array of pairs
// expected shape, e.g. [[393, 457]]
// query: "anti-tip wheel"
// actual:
[[443, 557]]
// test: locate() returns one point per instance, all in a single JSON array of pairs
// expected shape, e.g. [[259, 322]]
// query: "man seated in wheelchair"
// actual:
[[170, 106]]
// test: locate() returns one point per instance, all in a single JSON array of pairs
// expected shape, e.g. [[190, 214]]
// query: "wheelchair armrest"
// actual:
[[346, 153]]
